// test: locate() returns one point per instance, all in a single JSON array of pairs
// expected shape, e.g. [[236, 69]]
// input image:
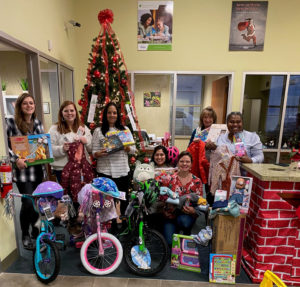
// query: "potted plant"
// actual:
[[24, 85], [3, 85]]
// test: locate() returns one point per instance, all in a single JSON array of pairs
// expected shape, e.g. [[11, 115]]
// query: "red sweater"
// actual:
[[200, 166]]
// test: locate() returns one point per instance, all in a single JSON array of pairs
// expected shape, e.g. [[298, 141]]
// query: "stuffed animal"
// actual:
[[143, 171]]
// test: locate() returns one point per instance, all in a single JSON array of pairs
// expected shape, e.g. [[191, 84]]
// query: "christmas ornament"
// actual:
[[97, 74], [92, 126], [123, 82], [146, 160], [115, 58], [132, 160]]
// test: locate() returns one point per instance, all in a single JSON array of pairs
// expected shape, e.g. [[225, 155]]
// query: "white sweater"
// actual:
[[57, 142], [114, 164]]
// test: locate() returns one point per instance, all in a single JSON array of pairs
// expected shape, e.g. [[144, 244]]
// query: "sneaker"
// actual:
[[27, 242]]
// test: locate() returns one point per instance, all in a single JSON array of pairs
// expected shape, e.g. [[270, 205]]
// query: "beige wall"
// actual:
[[155, 120], [201, 33]]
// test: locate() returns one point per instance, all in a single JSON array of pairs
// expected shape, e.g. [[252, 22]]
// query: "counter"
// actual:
[[272, 231]]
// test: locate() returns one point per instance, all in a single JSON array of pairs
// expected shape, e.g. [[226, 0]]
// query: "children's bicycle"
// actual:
[[145, 249], [46, 258], [101, 253]]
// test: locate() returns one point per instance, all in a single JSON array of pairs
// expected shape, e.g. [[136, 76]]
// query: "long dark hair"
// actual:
[[105, 124], [165, 151], [19, 115]]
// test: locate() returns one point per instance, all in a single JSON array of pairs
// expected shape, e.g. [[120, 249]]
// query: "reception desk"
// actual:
[[272, 231]]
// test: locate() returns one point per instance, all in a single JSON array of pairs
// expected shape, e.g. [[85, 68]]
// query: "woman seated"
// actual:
[[183, 182], [246, 146], [163, 170]]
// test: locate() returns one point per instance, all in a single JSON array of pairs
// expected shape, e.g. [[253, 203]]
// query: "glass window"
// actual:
[[188, 101], [263, 104], [66, 80], [291, 131], [50, 91]]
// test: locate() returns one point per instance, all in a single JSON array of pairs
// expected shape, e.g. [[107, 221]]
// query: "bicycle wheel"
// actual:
[[157, 248], [46, 261], [101, 264]]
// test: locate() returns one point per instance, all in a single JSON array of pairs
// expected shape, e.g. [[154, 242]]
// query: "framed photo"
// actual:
[[46, 108], [152, 99], [9, 103]]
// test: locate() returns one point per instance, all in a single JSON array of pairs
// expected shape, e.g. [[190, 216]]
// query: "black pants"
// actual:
[[122, 184], [28, 216]]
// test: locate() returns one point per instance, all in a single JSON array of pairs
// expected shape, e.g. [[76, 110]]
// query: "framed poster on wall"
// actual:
[[9, 103], [248, 25], [155, 25]]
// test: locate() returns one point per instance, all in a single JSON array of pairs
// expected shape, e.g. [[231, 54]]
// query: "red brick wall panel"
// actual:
[[261, 222], [282, 185], [265, 249], [279, 205], [287, 232], [295, 222], [281, 268], [258, 240], [291, 241], [297, 186], [296, 273], [287, 213], [287, 250], [276, 241], [289, 260], [296, 262], [268, 214], [271, 194], [278, 223], [264, 184], [279, 259], [268, 232]]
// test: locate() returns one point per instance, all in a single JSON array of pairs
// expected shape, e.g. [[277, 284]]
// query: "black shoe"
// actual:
[[27, 242]]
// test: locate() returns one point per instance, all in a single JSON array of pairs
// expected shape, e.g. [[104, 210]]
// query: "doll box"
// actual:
[[246, 192], [184, 254], [36, 149], [111, 144]]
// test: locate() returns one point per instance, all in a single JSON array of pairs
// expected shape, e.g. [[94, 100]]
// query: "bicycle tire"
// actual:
[[157, 247], [101, 265], [48, 268]]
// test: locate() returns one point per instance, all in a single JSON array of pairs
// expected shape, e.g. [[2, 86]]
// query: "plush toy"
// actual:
[[143, 171]]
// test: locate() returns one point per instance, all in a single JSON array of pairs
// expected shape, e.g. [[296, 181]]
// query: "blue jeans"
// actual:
[[183, 222]]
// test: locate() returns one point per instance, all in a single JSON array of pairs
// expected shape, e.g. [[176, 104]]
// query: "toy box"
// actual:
[[185, 254], [36, 149], [125, 136], [201, 134], [222, 268], [111, 144], [246, 192]]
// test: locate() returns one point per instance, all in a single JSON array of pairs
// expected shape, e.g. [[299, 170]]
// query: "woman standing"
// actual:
[[26, 178], [65, 131], [253, 151], [115, 165], [183, 182]]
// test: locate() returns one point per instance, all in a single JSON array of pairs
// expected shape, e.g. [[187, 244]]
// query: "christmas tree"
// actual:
[[107, 81]]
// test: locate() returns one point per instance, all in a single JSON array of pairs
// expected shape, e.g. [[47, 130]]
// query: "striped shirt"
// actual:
[[114, 164], [31, 173]]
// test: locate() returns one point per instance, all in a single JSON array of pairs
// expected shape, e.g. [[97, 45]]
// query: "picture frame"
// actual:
[[9, 105], [46, 108]]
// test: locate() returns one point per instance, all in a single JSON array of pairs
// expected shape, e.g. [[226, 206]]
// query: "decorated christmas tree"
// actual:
[[107, 81]]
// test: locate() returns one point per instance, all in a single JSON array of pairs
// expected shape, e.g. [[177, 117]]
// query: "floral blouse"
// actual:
[[194, 186]]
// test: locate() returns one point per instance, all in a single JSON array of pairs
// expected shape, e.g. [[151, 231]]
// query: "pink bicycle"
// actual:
[[101, 253]]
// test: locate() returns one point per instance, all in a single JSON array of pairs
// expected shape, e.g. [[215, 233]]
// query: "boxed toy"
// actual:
[[111, 144], [185, 254], [201, 134], [222, 268], [36, 149], [240, 191], [125, 136]]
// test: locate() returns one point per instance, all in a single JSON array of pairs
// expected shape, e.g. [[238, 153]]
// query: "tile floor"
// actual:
[[29, 280]]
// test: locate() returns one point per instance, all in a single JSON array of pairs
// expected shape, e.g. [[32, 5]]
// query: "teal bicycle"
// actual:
[[46, 258]]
